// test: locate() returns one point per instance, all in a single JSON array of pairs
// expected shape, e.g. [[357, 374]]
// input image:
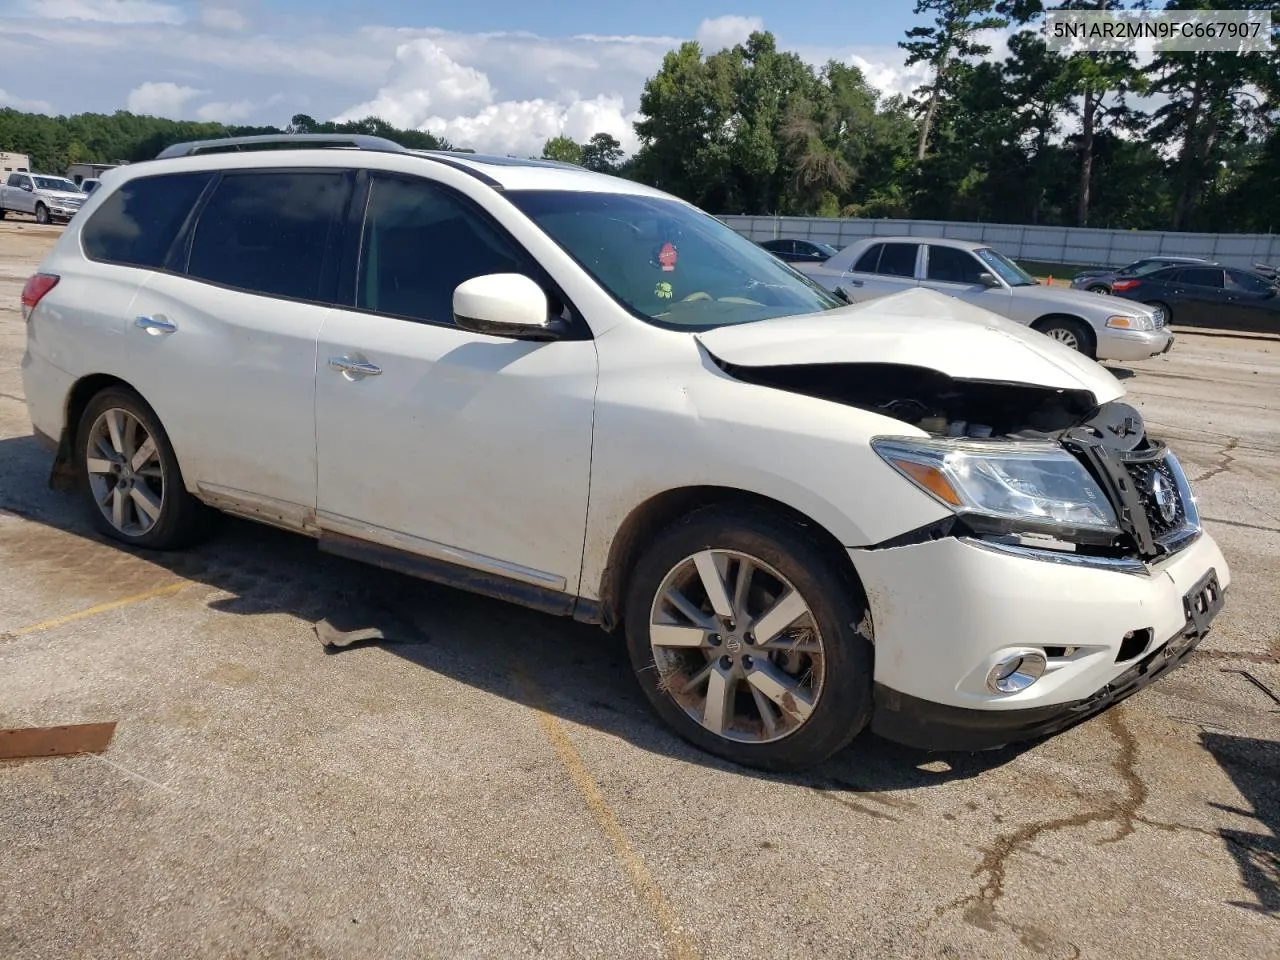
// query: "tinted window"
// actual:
[[1239, 280], [16, 180], [953, 266], [867, 262], [898, 260], [779, 246], [1167, 275], [269, 232], [419, 243], [136, 224], [1202, 278]]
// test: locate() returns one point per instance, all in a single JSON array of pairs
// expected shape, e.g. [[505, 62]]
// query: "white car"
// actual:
[[1101, 327], [577, 393]]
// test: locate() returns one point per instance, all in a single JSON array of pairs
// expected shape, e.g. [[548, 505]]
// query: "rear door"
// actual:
[[1253, 304], [883, 269], [227, 341]]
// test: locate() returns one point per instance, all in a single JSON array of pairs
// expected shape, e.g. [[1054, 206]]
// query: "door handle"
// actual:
[[851, 281], [155, 325], [352, 369]]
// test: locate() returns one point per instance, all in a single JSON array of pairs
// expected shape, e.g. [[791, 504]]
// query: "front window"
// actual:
[[669, 263], [1004, 268], [56, 183]]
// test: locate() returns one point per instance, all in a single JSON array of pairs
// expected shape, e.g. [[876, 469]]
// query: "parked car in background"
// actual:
[[1214, 296], [1101, 327], [805, 517], [1100, 281], [44, 197], [799, 251]]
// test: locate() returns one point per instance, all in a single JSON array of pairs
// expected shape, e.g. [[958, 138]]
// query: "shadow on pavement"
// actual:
[[1254, 769], [573, 671]]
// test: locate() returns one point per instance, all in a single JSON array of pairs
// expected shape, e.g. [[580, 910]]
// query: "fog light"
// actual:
[[1016, 672]]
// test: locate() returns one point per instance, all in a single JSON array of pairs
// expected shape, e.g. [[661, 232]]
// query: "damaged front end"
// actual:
[[1020, 465]]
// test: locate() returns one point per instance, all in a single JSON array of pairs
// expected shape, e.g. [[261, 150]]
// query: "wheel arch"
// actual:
[[1040, 323], [648, 519], [63, 476]]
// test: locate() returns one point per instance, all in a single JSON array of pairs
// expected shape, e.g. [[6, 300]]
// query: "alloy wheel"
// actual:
[[1065, 337], [126, 474], [736, 646]]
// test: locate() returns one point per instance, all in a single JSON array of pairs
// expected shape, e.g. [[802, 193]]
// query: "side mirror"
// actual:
[[28, 187], [505, 305], [988, 279]]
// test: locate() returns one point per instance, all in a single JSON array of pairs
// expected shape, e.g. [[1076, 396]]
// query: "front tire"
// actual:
[[42, 213], [130, 477], [1070, 333], [744, 635], [1099, 288]]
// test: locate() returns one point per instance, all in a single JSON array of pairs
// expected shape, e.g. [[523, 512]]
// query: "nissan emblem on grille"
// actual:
[[1162, 493]]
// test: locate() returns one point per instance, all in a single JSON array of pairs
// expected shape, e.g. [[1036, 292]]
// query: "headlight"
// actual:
[[1025, 485], [1131, 323]]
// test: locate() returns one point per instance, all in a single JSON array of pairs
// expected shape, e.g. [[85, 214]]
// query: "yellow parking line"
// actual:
[[95, 610], [678, 943]]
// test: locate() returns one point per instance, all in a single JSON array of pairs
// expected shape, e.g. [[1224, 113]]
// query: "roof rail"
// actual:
[[358, 141]]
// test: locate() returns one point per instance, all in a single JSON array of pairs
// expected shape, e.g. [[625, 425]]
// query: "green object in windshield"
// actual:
[[669, 263], [1005, 269]]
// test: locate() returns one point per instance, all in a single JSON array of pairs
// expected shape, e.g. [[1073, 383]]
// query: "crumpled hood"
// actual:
[[918, 327]]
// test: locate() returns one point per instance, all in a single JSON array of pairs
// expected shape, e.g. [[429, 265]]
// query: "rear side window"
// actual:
[[869, 259], [136, 225], [269, 233], [898, 260]]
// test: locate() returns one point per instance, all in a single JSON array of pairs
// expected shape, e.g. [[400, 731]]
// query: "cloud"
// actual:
[[162, 99], [237, 111], [104, 11], [521, 127], [18, 103], [718, 33], [223, 18], [424, 80]]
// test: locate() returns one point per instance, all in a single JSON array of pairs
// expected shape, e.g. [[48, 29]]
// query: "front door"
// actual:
[[460, 447], [957, 273]]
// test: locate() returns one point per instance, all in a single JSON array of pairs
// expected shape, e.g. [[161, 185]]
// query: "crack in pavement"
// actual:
[[1225, 459], [980, 909]]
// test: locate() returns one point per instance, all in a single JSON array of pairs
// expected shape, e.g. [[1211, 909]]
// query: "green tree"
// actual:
[[949, 41], [563, 149], [602, 153]]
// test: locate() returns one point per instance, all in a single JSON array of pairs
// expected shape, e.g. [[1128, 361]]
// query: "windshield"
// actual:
[[669, 263], [827, 249], [55, 183], [1005, 269]]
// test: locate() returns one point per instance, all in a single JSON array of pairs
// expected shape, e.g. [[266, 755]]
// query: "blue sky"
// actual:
[[501, 75]]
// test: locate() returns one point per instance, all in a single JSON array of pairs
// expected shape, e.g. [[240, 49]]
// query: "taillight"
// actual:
[[1124, 284], [34, 290]]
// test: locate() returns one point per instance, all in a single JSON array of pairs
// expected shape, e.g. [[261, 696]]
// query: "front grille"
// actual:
[[1157, 317], [1159, 494]]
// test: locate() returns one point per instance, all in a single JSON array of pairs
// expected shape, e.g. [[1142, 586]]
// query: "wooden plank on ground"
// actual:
[[23, 742]]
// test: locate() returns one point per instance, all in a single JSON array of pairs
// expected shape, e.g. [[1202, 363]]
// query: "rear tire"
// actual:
[[129, 475], [783, 698], [42, 213], [1070, 333], [1099, 288]]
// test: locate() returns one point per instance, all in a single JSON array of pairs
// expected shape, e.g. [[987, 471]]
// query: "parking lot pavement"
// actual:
[[489, 783]]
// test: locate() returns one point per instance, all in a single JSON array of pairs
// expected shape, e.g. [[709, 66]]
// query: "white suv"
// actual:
[[580, 394]]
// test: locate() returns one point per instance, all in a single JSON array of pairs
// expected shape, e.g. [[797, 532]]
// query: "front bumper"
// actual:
[[945, 612], [1131, 344], [919, 723]]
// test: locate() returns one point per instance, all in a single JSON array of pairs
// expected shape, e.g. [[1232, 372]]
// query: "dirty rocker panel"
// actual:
[[933, 726]]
